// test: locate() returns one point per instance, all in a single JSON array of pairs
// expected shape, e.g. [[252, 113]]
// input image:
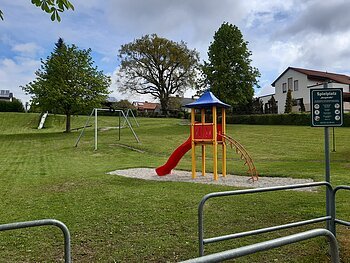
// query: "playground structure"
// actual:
[[208, 133], [120, 113], [42, 120]]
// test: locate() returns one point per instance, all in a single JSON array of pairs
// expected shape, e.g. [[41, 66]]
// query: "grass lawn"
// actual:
[[118, 219]]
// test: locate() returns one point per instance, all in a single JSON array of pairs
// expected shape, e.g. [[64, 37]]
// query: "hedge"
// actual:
[[300, 119], [11, 106]]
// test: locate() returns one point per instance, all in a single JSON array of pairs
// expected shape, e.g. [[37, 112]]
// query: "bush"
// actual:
[[271, 119], [11, 106], [299, 119], [180, 115]]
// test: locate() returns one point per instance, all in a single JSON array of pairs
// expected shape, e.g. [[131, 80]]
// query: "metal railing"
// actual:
[[45, 222], [202, 241], [247, 250], [339, 221]]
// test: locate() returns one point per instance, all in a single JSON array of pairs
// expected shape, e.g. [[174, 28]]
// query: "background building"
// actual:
[[6, 95], [300, 81]]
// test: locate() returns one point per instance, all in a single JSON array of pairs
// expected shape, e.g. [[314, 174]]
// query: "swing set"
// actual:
[[121, 114]]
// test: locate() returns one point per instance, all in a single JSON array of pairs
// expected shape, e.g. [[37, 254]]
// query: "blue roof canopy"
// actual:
[[207, 100]]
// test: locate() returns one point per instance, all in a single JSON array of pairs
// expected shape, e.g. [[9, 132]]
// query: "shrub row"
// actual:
[[299, 119], [13, 106]]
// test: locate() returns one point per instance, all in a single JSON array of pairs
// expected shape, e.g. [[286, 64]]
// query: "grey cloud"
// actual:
[[323, 17], [189, 20]]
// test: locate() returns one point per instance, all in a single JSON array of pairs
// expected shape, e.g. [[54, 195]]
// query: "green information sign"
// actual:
[[326, 107]]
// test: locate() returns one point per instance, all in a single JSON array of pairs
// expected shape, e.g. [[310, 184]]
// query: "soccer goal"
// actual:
[[120, 114]]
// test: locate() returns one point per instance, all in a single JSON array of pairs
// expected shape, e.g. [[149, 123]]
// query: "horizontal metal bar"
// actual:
[[264, 189], [342, 222], [245, 191], [44, 222], [98, 109], [266, 230], [341, 187], [247, 250]]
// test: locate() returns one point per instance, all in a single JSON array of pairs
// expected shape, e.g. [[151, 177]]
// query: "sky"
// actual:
[[312, 34]]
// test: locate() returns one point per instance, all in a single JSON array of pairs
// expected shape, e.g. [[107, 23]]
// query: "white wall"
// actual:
[[345, 87], [302, 92], [304, 86]]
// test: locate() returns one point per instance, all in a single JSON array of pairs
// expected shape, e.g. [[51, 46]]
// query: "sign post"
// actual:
[[326, 107], [327, 111]]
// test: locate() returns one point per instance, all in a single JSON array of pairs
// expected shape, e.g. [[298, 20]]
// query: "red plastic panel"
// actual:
[[203, 131]]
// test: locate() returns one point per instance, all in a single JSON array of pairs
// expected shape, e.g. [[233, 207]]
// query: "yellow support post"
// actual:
[[193, 145], [203, 145], [223, 124], [215, 145]]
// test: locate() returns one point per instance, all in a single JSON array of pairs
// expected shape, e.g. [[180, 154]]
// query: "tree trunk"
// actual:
[[67, 122], [164, 106]]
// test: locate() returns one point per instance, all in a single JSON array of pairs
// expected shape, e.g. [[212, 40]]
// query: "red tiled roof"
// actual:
[[319, 75], [147, 106]]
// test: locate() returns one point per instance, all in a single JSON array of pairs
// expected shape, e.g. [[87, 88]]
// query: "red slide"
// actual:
[[174, 158]]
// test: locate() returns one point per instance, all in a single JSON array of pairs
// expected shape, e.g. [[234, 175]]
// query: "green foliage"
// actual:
[[297, 119], [271, 119], [68, 82], [11, 106], [158, 67], [289, 102], [53, 7], [175, 103], [124, 104], [271, 107], [228, 71]]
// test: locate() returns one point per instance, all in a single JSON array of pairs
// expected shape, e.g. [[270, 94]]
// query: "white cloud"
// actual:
[[14, 74], [27, 49], [266, 90]]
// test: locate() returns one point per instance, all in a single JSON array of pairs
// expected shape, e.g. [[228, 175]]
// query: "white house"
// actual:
[[300, 81], [6, 95]]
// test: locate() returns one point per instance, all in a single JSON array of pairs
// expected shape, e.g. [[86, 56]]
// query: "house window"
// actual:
[[296, 85], [284, 87], [290, 83]]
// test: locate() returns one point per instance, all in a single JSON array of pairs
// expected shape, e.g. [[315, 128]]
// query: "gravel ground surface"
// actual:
[[231, 180]]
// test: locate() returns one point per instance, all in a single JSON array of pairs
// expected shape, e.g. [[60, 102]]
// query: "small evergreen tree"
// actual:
[[302, 106], [257, 106], [289, 102], [272, 106]]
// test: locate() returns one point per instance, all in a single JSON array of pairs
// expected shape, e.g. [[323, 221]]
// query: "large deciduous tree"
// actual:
[[228, 71], [53, 7], [158, 67], [68, 82]]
